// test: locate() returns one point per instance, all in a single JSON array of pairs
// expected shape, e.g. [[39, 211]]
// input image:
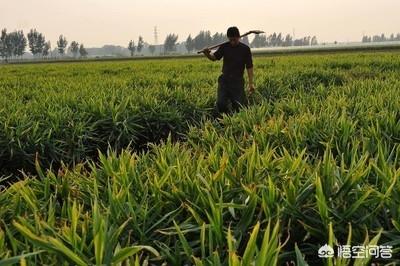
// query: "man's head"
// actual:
[[233, 35]]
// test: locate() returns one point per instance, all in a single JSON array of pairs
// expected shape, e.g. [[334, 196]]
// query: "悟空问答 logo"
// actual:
[[326, 251]]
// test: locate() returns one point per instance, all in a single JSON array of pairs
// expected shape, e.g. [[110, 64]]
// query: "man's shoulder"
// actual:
[[244, 46], [225, 44]]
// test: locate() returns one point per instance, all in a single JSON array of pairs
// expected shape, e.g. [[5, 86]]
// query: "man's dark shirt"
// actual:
[[236, 58]]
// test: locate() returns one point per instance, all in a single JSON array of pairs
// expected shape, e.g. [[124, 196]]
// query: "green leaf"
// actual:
[[250, 250], [299, 257], [127, 252], [16, 259], [374, 241], [185, 244]]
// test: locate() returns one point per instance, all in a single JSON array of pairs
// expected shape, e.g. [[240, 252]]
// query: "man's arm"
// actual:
[[217, 55], [209, 55], [250, 73]]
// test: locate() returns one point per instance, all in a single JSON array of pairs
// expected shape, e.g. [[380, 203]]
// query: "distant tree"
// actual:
[[82, 50], [36, 42], [314, 40], [258, 41], [74, 48], [288, 41], [307, 40], [132, 47], [15, 44], [218, 38], [152, 49], [298, 42], [245, 40], [22, 43], [203, 39], [12, 44], [3, 43], [3, 37], [263, 41], [189, 44], [366, 39], [32, 39], [381, 38], [62, 44], [208, 40], [376, 38], [140, 44], [272, 39], [279, 40], [170, 43], [46, 49], [9, 45], [40, 43]]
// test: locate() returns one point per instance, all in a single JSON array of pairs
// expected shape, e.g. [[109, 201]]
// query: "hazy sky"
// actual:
[[98, 22]]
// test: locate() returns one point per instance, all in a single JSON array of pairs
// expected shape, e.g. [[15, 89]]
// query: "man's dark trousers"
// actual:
[[230, 90]]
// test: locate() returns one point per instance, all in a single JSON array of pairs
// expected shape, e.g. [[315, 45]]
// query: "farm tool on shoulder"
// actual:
[[241, 36]]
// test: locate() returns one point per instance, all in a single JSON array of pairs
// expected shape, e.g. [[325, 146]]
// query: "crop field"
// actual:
[[127, 162]]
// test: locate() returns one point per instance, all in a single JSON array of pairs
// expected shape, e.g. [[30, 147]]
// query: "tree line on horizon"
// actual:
[[205, 38], [14, 44], [381, 38]]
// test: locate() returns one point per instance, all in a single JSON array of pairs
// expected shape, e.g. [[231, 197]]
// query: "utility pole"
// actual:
[[156, 38]]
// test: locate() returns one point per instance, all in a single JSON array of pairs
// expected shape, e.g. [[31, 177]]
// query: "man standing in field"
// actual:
[[237, 56]]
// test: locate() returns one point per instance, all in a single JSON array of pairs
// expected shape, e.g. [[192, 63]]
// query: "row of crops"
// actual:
[[149, 176], [67, 112]]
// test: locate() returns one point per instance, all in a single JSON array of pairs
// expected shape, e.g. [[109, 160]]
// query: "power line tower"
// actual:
[[155, 36]]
